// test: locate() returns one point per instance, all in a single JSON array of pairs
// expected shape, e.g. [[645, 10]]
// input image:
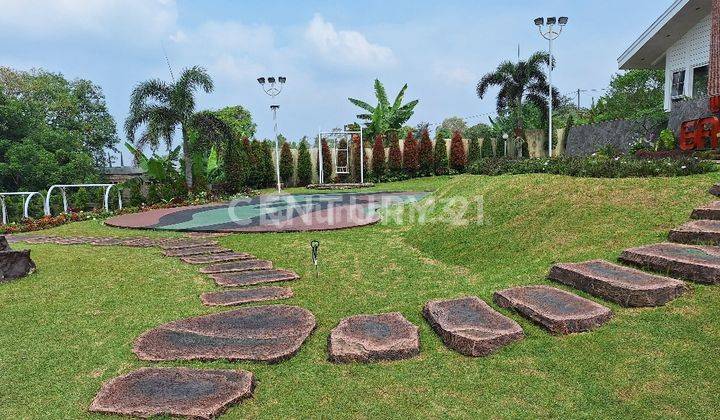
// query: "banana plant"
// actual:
[[385, 116]]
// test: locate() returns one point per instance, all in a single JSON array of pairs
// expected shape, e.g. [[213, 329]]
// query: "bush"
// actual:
[[440, 157], [134, 186], [254, 171], [394, 156], [410, 155], [287, 166], [304, 166], [81, 200], [378, 162], [473, 150], [425, 154], [236, 165], [486, 150], [458, 159], [327, 160], [267, 167], [666, 141], [357, 144], [598, 166]]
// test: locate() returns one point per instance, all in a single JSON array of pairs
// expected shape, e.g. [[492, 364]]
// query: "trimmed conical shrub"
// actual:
[[378, 161], [458, 158], [287, 166], [425, 154], [394, 155], [440, 157], [410, 155], [304, 166]]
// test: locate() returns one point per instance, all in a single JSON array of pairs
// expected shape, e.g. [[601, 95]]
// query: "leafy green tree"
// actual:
[[384, 116], [286, 164], [162, 107], [440, 156], [304, 169], [238, 119], [236, 164], [454, 124], [425, 153], [473, 149], [520, 83], [266, 164]]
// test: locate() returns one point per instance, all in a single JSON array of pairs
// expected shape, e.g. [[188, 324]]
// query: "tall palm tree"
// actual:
[[384, 116], [161, 107], [520, 83]]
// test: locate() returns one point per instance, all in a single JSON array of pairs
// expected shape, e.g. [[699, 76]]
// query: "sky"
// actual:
[[328, 50]]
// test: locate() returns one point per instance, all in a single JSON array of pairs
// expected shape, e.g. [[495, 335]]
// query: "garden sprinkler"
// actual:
[[315, 245]]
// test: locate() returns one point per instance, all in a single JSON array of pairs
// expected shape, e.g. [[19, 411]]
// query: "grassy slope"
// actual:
[[70, 326]]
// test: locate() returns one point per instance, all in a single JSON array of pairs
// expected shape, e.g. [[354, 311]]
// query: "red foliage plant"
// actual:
[[458, 158], [378, 157], [425, 154], [394, 155], [411, 163], [326, 159], [356, 145]]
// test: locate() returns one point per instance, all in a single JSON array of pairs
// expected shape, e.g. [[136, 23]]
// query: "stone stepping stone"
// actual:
[[140, 242], [186, 243], [707, 212], [193, 393], [107, 241], [250, 278], [239, 297], [39, 239], [215, 258], [715, 190], [199, 250], [235, 266], [558, 311], [697, 232], [697, 263], [626, 286], [373, 338], [72, 241], [470, 326], [262, 333]]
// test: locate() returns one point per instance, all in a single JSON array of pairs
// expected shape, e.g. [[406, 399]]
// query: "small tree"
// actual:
[[425, 154], [410, 155], [236, 166], [326, 160], [458, 159], [394, 156], [356, 145], [304, 166], [267, 168], [287, 166], [254, 174], [473, 149], [440, 157], [378, 162], [486, 149]]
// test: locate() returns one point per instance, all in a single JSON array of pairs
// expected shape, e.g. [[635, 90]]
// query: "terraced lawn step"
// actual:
[[558, 311], [234, 266], [250, 278], [215, 258], [715, 190], [239, 297], [193, 393], [698, 263], [707, 212], [470, 326], [198, 250], [186, 243], [372, 338], [701, 232], [263, 333], [625, 286]]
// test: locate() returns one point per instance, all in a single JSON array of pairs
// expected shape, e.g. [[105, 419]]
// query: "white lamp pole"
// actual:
[[273, 87], [547, 30]]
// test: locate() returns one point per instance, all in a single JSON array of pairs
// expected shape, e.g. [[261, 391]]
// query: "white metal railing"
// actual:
[[26, 203], [62, 188]]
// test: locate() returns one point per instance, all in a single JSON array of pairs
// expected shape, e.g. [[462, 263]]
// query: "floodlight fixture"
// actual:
[[261, 80], [539, 21], [271, 80], [563, 20], [282, 79], [551, 20]]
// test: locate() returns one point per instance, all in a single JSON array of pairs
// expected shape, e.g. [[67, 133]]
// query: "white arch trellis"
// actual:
[[335, 137], [63, 187], [26, 203]]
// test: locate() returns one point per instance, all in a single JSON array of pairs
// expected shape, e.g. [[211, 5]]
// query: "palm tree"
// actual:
[[161, 107], [385, 117], [520, 83]]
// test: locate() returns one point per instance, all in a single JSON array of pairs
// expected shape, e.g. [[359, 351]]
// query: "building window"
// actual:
[[677, 91], [700, 82]]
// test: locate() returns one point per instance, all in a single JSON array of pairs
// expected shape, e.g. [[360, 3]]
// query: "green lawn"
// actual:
[[70, 326]]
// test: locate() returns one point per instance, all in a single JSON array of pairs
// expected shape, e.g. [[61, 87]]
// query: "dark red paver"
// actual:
[[194, 393], [234, 266], [249, 278], [263, 333], [239, 297], [692, 262], [560, 312], [140, 242], [470, 326], [106, 241], [707, 212], [715, 190], [198, 250], [186, 243], [697, 232], [372, 338], [622, 285], [215, 258]]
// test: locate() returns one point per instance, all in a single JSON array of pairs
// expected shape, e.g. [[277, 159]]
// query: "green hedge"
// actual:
[[594, 167]]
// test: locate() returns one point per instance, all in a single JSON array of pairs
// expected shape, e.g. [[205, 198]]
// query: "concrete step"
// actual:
[[697, 263], [707, 212], [715, 190], [626, 286], [700, 232]]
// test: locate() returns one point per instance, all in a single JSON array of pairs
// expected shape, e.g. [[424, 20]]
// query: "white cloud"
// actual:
[[349, 48], [123, 20]]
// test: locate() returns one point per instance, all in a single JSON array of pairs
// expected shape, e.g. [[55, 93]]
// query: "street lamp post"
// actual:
[[273, 87], [548, 31]]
